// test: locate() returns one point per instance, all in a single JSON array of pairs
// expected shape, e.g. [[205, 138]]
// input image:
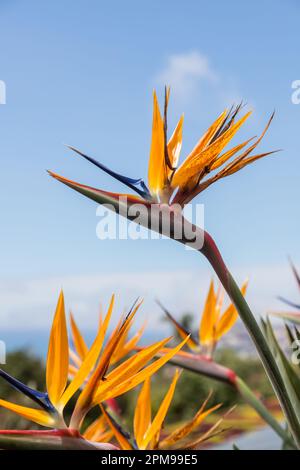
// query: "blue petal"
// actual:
[[137, 185], [39, 397]]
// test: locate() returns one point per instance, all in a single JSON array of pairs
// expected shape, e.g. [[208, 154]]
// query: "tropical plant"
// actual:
[[171, 187], [97, 377]]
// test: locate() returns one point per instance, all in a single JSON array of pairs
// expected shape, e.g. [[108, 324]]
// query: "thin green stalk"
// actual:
[[213, 255], [260, 408]]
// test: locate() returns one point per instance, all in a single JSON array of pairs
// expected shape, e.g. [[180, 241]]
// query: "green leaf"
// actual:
[[288, 372]]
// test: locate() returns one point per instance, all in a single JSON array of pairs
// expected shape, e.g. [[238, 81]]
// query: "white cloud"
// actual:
[[184, 72], [192, 77], [29, 304]]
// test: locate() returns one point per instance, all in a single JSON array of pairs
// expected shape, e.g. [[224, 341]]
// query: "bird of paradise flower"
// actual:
[[97, 379], [148, 431], [213, 324], [106, 427]]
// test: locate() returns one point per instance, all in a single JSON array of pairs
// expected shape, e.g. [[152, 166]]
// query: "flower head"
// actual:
[[97, 376], [148, 431], [170, 182], [213, 324]]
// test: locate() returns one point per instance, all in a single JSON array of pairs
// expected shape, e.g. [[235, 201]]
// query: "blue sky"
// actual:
[[82, 73]]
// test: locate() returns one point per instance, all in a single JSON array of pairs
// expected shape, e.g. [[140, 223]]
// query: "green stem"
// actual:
[[213, 255], [260, 408]]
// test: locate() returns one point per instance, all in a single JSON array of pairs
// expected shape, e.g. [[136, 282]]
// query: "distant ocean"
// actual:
[[36, 341]]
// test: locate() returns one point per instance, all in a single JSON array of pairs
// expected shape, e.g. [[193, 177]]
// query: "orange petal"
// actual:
[[142, 415], [175, 144], [209, 134], [157, 423], [86, 399], [57, 366], [37, 416], [208, 321], [157, 165], [194, 164], [128, 346], [229, 317], [227, 155], [79, 343], [140, 376], [183, 431], [90, 359], [97, 431]]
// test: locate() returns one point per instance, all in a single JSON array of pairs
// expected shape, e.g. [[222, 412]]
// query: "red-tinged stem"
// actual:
[[205, 367], [48, 432], [211, 252], [208, 368], [55, 439]]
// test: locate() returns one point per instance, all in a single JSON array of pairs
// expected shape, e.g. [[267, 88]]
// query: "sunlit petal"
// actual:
[[175, 144], [208, 320], [196, 163], [90, 359], [58, 355], [161, 413], [142, 415], [183, 431], [78, 340], [38, 416], [97, 431], [140, 376], [229, 317], [157, 164]]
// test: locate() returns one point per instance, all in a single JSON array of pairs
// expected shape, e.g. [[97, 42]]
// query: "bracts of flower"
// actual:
[[213, 324], [169, 182], [107, 369]]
